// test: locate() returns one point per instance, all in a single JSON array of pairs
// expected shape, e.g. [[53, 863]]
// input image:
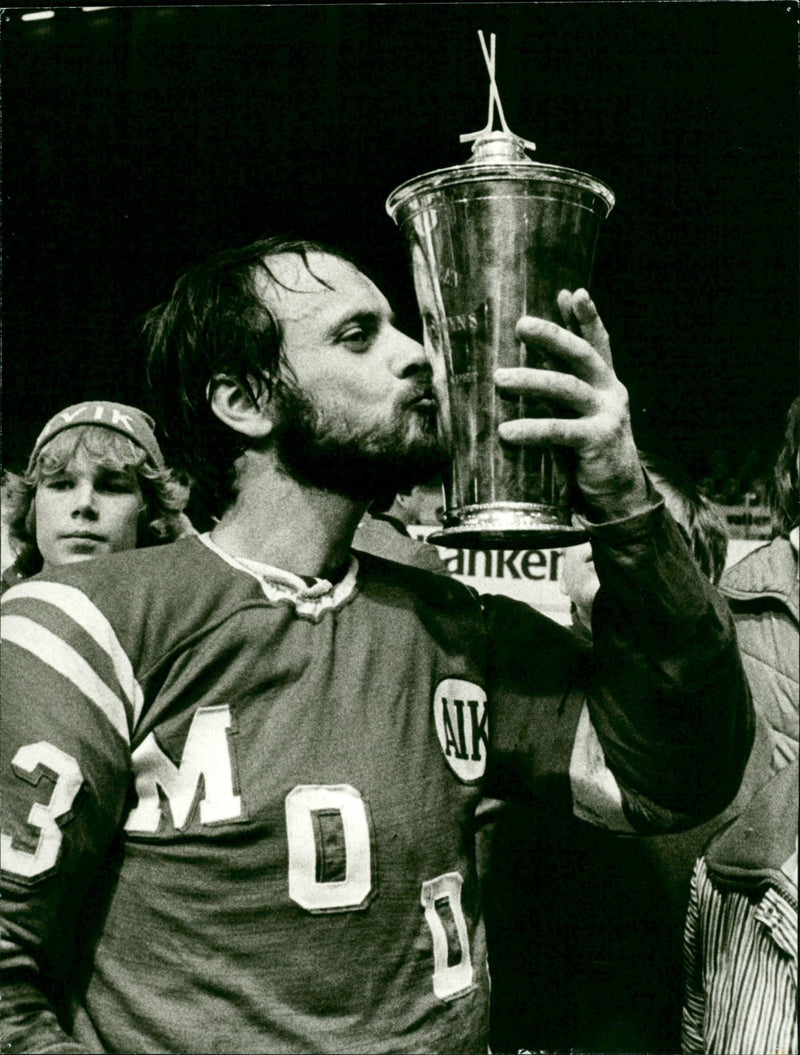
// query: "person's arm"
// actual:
[[668, 724], [669, 701], [68, 700]]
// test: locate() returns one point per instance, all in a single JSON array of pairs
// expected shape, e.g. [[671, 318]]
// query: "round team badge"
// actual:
[[461, 717]]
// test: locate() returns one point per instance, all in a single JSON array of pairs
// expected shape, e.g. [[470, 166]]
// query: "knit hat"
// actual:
[[129, 421]]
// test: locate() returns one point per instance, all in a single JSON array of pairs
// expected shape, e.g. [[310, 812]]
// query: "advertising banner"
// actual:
[[533, 576]]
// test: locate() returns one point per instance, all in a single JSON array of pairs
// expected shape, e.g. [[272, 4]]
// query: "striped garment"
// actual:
[[741, 954]]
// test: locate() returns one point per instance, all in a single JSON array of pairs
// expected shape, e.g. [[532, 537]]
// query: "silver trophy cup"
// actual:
[[490, 241]]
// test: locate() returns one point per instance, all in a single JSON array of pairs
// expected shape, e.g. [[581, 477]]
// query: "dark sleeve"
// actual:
[[668, 697], [669, 723], [538, 673], [64, 766]]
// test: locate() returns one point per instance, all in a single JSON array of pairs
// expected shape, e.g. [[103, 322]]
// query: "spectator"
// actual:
[[6, 489], [741, 929], [764, 596], [384, 533], [699, 520], [95, 483]]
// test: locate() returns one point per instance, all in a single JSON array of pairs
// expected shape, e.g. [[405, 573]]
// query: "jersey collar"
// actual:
[[310, 597]]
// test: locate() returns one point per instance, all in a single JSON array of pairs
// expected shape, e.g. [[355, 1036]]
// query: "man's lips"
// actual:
[[425, 400]]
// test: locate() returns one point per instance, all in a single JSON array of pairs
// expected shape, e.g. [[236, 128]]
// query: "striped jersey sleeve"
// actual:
[[70, 699]]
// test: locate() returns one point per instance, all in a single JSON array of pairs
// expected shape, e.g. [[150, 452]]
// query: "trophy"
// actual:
[[490, 241]]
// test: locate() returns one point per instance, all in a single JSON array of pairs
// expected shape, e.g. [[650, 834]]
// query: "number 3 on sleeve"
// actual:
[[28, 763]]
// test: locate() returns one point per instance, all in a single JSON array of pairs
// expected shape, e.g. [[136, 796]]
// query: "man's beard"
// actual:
[[322, 450]]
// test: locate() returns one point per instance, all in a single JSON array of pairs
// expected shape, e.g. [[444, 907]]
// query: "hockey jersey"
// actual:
[[240, 805]]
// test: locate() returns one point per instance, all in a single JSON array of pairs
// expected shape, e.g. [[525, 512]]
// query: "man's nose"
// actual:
[[409, 356], [84, 501]]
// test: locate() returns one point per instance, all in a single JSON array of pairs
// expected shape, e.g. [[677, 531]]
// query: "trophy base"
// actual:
[[506, 525]]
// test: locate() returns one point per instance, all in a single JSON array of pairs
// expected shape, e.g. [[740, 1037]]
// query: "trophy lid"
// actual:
[[496, 155]]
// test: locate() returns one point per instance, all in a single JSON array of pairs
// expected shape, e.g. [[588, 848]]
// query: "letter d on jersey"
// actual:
[[459, 711]]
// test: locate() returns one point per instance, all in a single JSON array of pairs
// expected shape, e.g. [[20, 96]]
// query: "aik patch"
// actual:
[[461, 718]]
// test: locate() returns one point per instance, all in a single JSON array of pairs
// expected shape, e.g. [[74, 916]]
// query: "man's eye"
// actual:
[[58, 483], [355, 336]]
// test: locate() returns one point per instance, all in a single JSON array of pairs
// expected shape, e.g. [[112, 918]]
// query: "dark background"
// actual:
[[136, 141]]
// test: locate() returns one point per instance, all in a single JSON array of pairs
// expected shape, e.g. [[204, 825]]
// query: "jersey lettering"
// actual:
[[28, 763], [330, 870], [452, 962], [328, 831], [330, 848], [121, 419], [461, 718], [206, 754]]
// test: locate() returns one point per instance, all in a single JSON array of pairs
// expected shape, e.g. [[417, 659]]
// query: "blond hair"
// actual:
[[165, 496]]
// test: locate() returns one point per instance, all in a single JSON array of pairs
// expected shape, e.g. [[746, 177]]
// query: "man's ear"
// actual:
[[234, 406]]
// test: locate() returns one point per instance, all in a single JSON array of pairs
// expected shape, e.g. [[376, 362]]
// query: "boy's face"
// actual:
[[85, 511]]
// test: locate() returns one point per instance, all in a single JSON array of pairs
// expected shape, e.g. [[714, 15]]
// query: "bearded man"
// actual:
[[241, 772]]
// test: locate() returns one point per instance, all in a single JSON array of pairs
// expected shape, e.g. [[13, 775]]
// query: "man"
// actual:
[[240, 784], [384, 533], [763, 591], [740, 943], [699, 520]]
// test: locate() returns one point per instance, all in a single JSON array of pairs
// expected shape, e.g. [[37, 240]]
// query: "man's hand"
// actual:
[[608, 472]]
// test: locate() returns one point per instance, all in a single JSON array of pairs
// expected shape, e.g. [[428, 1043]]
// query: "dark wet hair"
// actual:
[[216, 322]]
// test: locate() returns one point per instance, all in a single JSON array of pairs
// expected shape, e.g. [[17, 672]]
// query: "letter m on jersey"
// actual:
[[206, 758]]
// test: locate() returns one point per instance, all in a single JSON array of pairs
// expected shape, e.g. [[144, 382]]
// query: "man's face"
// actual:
[[356, 413], [85, 511]]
